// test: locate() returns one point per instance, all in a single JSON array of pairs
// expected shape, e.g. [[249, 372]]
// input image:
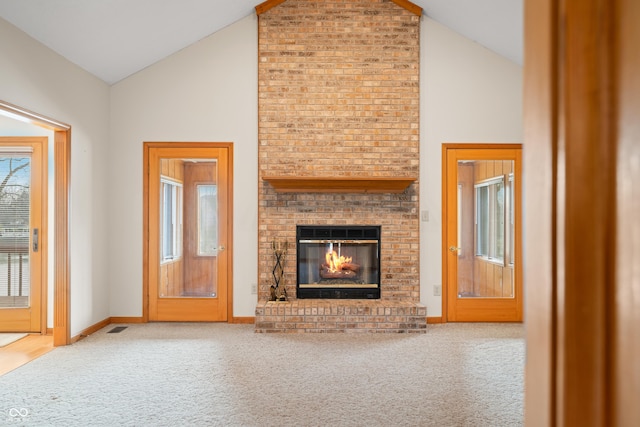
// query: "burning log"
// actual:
[[349, 266], [346, 271]]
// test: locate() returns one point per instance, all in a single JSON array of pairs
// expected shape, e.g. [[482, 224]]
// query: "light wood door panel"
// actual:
[[192, 286], [481, 286], [199, 270], [23, 245]]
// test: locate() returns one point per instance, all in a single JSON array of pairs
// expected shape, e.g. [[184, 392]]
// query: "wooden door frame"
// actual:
[[147, 146], [581, 98], [62, 184], [445, 213]]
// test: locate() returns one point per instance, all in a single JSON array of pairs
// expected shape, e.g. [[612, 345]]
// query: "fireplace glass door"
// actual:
[[338, 262]]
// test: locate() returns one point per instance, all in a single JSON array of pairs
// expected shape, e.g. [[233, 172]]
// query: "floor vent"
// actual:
[[117, 329]]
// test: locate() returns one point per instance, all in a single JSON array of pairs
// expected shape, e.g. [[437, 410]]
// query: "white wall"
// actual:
[[36, 78], [468, 95], [207, 92]]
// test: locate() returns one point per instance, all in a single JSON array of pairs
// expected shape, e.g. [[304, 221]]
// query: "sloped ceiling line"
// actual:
[[113, 39]]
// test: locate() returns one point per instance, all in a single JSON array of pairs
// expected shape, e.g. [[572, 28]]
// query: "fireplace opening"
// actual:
[[338, 262]]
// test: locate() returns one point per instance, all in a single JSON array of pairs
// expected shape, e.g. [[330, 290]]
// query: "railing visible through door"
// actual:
[[14, 267]]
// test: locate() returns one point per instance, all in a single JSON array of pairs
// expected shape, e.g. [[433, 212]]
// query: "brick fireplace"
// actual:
[[339, 145]]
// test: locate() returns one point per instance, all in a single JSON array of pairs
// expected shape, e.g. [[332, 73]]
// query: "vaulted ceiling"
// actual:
[[113, 39]]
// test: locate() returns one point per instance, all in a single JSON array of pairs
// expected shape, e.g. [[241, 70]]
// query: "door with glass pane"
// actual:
[[187, 199], [22, 233], [482, 233]]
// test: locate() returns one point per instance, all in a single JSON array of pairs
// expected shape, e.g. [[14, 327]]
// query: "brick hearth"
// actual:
[[340, 316]]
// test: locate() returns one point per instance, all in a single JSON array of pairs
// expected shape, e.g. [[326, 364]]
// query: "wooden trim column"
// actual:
[[625, 295], [62, 298], [582, 230], [540, 128]]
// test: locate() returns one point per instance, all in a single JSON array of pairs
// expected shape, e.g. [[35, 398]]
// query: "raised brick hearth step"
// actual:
[[329, 316]]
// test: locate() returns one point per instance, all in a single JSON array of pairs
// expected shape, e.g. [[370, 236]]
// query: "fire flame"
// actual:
[[335, 262]]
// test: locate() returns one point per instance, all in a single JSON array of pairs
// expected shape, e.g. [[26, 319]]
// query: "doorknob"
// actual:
[[454, 249], [221, 248]]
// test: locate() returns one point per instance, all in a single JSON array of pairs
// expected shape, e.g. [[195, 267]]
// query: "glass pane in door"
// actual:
[[15, 195], [188, 208], [485, 263], [207, 199]]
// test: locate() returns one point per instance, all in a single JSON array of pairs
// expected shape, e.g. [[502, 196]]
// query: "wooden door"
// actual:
[[23, 231], [188, 207], [482, 233]]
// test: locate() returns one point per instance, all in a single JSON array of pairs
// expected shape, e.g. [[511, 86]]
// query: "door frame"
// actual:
[[581, 98], [518, 276], [61, 250], [147, 146]]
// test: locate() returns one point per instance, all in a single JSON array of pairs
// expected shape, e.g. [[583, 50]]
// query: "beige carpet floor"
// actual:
[[226, 375]]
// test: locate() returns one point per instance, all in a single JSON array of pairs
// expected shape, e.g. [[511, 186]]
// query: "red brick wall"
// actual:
[[339, 96]]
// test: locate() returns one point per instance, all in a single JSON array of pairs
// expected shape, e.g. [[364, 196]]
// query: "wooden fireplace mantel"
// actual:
[[348, 184]]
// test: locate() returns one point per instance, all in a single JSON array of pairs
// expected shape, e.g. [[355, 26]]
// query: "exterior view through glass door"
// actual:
[[188, 192], [482, 243], [22, 233]]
